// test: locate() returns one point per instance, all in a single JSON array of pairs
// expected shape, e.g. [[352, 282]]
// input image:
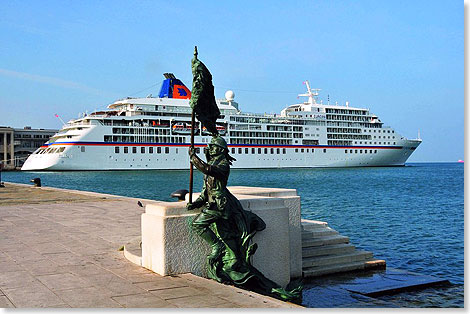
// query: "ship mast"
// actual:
[[311, 93]]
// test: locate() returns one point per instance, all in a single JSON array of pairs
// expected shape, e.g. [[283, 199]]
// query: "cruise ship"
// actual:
[[154, 133]]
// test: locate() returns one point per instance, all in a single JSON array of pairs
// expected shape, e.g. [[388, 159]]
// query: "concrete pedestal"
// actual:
[[292, 202], [169, 246]]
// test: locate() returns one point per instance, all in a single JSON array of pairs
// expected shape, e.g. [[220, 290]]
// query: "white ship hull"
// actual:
[[143, 134], [103, 157]]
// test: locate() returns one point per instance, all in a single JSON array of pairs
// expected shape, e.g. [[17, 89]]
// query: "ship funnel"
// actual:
[[173, 88], [169, 75]]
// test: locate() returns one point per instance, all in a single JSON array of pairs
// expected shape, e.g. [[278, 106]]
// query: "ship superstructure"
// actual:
[[154, 133]]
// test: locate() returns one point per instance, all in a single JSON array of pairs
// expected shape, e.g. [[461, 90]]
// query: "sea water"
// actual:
[[412, 216]]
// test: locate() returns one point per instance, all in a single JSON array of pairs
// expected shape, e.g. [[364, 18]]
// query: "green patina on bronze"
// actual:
[[202, 95], [223, 223]]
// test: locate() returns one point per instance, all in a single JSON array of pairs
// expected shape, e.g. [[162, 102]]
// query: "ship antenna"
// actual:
[[311, 93]]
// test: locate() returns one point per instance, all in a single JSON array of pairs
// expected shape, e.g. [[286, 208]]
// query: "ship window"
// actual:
[[252, 150], [142, 150], [313, 150], [198, 150], [324, 150], [134, 150], [360, 152], [239, 150], [259, 150], [350, 151], [302, 150], [246, 150], [150, 150], [82, 149], [296, 150], [370, 151], [233, 150], [167, 150], [126, 150], [355, 151], [278, 151], [159, 150], [265, 151], [346, 151], [283, 150], [375, 152], [272, 150], [116, 149], [365, 151]]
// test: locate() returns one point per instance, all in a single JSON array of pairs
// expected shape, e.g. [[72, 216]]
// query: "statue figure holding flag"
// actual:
[[223, 223]]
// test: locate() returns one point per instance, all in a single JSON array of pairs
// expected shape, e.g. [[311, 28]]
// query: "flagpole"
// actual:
[[193, 122], [190, 164], [57, 116]]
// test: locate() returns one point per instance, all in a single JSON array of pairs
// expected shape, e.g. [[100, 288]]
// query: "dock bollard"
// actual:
[[179, 194], [37, 182]]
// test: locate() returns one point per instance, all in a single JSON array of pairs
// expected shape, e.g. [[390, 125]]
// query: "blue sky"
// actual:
[[402, 59]]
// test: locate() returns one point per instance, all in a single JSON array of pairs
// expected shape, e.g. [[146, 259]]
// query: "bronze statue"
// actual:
[[214, 193], [228, 228], [223, 223]]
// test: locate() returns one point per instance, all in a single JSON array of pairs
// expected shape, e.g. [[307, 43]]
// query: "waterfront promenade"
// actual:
[[60, 248]]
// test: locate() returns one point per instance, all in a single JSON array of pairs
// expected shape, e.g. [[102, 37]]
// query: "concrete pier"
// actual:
[[59, 248]]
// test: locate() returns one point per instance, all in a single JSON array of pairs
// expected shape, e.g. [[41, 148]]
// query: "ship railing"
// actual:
[[161, 109], [75, 124], [125, 98], [260, 115]]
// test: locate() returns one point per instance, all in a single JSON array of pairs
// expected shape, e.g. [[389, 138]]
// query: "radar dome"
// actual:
[[229, 95]]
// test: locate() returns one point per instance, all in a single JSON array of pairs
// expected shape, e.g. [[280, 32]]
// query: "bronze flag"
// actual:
[[202, 95]]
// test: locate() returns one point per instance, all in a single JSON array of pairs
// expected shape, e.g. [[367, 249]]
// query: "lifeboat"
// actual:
[[221, 129], [160, 124], [181, 128]]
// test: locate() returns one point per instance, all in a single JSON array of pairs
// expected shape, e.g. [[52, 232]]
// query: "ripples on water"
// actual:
[[413, 216]]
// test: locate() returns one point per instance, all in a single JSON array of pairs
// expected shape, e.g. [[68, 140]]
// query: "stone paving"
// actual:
[[61, 249]]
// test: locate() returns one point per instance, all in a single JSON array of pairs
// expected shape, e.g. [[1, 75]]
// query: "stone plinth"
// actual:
[[292, 202], [169, 246]]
